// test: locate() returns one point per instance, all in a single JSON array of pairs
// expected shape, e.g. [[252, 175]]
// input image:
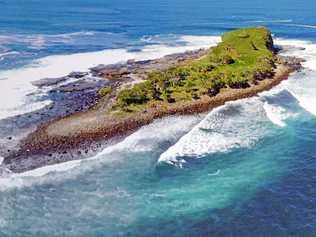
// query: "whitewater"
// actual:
[[246, 168], [22, 97], [234, 125]]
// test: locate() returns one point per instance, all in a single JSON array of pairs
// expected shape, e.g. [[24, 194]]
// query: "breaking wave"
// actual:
[[276, 114], [147, 139], [242, 123], [302, 85], [239, 124], [233, 125]]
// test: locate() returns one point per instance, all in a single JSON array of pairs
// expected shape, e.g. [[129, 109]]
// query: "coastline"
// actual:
[[126, 96], [101, 132], [72, 137]]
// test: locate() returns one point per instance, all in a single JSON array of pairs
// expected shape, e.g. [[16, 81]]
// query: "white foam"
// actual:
[[8, 53], [16, 87], [79, 33], [39, 41], [309, 52], [302, 25], [303, 89], [18, 83], [236, 124], [50, 169], [146, 139], [302, 85], [215, 134], [201, 40], [215, 174], [9, 180], [276, 114], [273, 21]]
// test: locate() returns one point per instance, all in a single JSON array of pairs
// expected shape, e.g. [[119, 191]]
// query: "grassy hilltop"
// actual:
[[243, 57]]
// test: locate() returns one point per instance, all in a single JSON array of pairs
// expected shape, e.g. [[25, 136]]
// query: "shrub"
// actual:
[[138, 94], [238, 82], [242, 57], [105, 91], [217, 84]]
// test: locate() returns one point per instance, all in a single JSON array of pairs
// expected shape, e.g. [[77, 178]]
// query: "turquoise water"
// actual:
[[244, 169]]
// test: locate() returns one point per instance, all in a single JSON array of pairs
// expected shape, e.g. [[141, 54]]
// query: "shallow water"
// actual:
[[244, 169]]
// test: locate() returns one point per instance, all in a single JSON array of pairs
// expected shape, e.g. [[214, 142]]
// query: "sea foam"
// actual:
[[21, 95], [222, 131], [302, 85], [235, 124], [276, 114], [146, 139]]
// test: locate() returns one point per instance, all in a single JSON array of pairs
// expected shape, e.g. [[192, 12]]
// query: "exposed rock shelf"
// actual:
[[65, 137]]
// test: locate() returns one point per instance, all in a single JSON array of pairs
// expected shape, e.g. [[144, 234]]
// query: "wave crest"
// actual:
[[236, 124], [302, 85]]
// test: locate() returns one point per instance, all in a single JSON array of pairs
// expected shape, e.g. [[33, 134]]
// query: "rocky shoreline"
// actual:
[[71, 94], [83, 129]]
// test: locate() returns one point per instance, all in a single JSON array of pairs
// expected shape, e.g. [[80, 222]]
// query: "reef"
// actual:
[[132, 94]]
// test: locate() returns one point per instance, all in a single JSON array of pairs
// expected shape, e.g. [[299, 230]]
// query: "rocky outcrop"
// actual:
[[49, 81], [88, 121]]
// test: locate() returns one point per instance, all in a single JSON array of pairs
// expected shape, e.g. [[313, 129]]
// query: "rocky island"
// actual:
[[137, 92]]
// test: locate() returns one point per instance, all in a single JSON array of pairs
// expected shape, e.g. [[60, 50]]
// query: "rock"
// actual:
[[130, 61], [98, 68], [78, 74], [212, 92], [293, 62], [113, 72], [143, 62], [49, 81], [81, 85], [97, 71]]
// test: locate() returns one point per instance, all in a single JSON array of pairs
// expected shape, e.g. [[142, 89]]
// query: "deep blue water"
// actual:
[[245, 169]]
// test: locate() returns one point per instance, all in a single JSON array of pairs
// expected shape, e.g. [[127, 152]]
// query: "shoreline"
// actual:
[[74, 136], [126, 96]]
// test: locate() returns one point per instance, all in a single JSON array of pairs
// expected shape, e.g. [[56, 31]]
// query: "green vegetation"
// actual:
[[243, 57], [105, 91]]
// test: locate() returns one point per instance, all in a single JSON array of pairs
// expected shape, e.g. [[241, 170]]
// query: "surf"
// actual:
[[233, 125], [23, 97], [302, 84]]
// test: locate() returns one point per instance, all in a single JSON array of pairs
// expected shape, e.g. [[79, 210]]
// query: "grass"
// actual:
[[243, 57], [105, 91]]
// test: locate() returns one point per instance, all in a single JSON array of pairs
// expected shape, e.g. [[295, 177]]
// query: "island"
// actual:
[[243, 64]]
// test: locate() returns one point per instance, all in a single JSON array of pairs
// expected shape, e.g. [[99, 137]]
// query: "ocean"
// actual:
[[247, 168]]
